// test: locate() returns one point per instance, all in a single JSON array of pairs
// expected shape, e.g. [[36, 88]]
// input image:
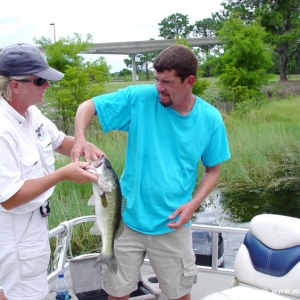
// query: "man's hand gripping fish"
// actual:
[[107, 198]]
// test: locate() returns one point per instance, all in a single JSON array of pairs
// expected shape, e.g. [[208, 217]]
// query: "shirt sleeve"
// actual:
[[114, 110], [217, 150], [11, 182]]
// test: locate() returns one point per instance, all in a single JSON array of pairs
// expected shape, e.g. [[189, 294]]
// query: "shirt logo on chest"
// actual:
[[41, 132]]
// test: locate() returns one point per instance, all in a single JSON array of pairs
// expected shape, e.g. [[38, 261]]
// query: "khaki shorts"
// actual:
[[24, 255], [171, 256]]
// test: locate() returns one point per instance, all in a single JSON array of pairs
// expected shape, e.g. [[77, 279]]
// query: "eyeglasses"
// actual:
[[38, 82]]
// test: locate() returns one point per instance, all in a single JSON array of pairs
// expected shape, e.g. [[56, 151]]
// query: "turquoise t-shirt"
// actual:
[[163, 152]]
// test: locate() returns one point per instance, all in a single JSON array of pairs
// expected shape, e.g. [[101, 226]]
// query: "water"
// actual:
[[213, 212], [237, 210], [244, 206]]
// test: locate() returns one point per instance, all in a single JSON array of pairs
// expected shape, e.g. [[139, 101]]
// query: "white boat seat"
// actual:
[[267, 265]]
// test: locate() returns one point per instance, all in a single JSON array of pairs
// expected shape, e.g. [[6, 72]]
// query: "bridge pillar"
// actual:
[[133, 68]]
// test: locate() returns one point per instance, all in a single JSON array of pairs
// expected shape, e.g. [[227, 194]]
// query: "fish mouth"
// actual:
[[96, 163], [91, 170], [92, 167]]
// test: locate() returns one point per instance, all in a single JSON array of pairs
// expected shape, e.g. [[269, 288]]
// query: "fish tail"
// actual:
[[108, 260]]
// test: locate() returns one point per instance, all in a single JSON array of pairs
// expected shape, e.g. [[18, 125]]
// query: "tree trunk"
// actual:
[[207, 71], [283, 66], [147, 72], [298, 61]]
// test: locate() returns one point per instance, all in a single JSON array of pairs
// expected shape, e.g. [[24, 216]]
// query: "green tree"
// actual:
[[205, 28], [199, 86], [125, 72], [242, 67], [83, 79], [280, 18], [176, 25], [143, 61]]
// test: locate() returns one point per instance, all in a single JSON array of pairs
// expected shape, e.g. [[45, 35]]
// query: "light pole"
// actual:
[[54, 31]]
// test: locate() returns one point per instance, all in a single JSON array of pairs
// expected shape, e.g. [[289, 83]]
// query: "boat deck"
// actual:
[[210, 279]]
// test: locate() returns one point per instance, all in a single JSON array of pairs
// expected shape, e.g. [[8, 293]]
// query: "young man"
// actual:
[[27, 141], [170, 131]]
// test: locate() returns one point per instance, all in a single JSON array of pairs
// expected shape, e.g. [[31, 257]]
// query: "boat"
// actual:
[[78, 269], [216, 281]]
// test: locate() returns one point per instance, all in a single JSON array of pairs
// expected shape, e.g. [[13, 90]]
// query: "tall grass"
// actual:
[[69, 199], [265, 145]]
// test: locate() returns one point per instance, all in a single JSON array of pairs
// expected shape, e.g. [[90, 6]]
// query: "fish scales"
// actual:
[[107, 198]]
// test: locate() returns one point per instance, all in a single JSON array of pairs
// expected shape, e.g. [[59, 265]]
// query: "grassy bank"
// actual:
[[265, 146]]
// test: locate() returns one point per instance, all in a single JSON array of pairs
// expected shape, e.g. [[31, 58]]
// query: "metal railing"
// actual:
[[63, 232]]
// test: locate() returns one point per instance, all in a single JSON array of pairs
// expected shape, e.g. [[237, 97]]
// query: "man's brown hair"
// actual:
[[179, 58]]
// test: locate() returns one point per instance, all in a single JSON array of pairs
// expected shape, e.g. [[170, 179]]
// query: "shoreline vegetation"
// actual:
[[264, 145]]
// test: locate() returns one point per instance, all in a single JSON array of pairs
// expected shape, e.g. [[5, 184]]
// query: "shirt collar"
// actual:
[[20, 119]]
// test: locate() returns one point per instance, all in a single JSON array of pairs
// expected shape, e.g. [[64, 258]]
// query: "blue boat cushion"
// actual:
[[269, 261]]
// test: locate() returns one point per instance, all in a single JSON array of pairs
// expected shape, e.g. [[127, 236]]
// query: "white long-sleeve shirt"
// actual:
[[22, 143]]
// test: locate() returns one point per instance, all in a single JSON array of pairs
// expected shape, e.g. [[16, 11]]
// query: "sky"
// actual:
[[106, 21]]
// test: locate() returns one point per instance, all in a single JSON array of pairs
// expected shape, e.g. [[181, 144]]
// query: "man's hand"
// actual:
[[185, 213], [187, 210], [83, 118], [95, 152], [75, 172], [81, 148]]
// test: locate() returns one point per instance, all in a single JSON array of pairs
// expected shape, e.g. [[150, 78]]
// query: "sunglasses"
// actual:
[[38, 82]]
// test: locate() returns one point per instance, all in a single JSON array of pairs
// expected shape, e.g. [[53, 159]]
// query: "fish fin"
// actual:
[[108, 260], [92, 200], [95, 230], [100, 189], [124, 204], [120, 229], [104, 200]]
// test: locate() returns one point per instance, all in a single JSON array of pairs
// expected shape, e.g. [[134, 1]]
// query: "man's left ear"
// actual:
[[191, 80]]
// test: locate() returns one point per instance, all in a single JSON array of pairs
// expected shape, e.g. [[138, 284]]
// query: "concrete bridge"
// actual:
[[137, 47]]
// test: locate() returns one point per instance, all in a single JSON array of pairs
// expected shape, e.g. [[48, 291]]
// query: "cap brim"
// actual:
[[50, 74]]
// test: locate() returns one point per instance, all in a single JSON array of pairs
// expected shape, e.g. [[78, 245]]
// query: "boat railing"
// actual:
[[63, 235], [64, 231], [215, 230]]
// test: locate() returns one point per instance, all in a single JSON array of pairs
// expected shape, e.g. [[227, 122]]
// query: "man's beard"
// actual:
[[166, 104]]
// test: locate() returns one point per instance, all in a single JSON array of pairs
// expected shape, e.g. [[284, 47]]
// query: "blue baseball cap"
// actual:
[[24, 59]]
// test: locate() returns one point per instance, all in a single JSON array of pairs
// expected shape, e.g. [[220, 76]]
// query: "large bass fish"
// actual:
[[107, 198]]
